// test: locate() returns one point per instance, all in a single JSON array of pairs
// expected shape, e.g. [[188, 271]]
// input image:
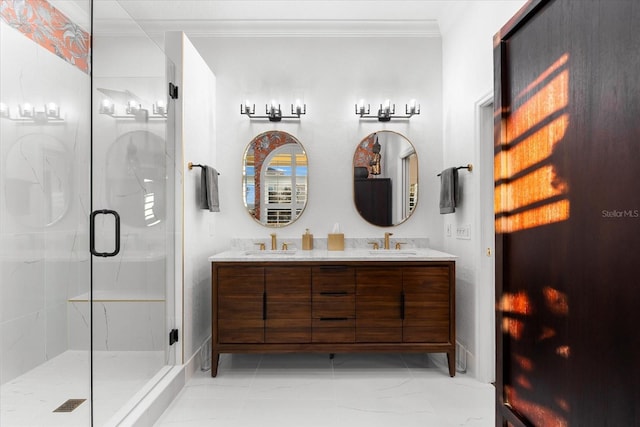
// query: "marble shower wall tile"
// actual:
[[118, 325], [43, 229]]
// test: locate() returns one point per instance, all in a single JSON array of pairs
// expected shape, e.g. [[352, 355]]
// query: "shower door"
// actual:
[[86, 163], [132, 220], [44, 202]]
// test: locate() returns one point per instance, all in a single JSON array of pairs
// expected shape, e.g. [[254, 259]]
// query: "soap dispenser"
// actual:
[[307, 241]]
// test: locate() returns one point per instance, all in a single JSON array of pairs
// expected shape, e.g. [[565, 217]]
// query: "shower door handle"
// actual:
[[92, 232]]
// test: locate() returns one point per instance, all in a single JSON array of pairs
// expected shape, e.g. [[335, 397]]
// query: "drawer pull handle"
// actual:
[[340, 293], [264, 306], [334, 318], [333, 267]]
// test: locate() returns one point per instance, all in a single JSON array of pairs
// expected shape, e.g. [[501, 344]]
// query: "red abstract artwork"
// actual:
[[48, 27]]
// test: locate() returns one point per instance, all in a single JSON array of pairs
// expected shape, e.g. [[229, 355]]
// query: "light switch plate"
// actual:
[[463, 232]]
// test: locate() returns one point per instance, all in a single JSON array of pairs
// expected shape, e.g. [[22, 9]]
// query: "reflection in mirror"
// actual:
[[38, 180], [135, 184], [385, 178], [274, 181]]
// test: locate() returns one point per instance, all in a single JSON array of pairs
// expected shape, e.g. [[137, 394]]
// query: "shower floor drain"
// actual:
[[69, 405]]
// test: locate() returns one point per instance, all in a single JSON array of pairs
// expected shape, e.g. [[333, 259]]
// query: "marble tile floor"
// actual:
[[29, 400], [351, 390]]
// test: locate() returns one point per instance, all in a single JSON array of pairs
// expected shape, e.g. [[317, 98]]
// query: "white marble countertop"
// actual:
[[412, 254]]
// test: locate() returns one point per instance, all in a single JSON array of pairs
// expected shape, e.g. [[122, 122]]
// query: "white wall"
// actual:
[[330, 75], [467, 46], [197, 122]]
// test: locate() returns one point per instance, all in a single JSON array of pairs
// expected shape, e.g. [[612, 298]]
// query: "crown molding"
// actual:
[[206, 28]]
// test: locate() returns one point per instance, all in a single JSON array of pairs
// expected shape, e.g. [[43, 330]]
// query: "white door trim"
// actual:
[[484, 260]]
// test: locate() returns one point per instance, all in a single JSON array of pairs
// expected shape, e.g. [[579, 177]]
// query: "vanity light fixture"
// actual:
[[4, 110], [134, 110], [273, 112], [52, 110], [159, 108], [28, 113], [133, 107], [107, 107], [387, 111]]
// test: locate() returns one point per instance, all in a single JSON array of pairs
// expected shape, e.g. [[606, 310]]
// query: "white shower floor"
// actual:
[[30, 399]]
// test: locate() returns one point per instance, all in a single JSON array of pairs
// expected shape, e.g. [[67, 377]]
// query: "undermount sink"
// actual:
[[271, 252], [392, 252]]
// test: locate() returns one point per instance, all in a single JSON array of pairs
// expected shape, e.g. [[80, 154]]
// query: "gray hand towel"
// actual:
[[448, 190], [209, 189]]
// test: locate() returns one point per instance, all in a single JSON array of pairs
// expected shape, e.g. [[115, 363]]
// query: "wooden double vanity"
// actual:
[[315, 301]]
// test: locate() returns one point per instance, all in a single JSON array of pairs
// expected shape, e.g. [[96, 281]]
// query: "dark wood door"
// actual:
[[240, 293], [288, 304], [568, 214], [378, 304]]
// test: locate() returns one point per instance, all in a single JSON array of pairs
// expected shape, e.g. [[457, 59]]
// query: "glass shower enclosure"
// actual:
[[87, 213]]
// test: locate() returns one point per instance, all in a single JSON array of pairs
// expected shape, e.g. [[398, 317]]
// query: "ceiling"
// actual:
[[269, 18]]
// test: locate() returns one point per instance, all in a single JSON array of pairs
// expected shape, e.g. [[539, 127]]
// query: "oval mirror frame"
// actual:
[[268, 192], [385, 178]]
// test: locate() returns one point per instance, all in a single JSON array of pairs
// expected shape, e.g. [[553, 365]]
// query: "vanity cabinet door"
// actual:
[[288, 304], [334, 305], [378, 304], [426, 305], [240, 293]]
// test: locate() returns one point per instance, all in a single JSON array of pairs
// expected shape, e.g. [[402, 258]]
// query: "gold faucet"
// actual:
[[260, 246], [376, 246], [285, 246], [386, 239], [274, 244]]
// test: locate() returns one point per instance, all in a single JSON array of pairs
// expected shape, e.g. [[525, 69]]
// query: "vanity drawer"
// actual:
[[333, 330], [332, 278], [334, 304]]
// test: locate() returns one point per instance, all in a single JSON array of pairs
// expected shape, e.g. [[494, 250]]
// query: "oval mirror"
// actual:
[[274, 178], [385, 178], [38, 180], [136, 178]]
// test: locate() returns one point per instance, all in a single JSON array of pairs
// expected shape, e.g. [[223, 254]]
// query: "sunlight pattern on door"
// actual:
[[528, 193]]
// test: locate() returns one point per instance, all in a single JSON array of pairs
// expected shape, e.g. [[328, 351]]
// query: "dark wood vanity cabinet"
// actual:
[[263, 304], [333, 307], [403, 304]]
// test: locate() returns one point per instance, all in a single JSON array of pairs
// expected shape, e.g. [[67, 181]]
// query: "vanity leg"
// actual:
[[215, 358], [451, 360]]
